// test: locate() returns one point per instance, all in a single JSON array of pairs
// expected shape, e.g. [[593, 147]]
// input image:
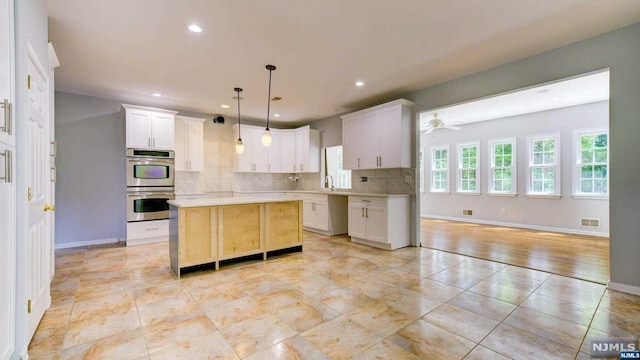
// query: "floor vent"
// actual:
[[590, 222]]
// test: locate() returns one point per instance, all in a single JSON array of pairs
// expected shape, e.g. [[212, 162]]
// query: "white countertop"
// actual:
[[230, 201], [322, 192]]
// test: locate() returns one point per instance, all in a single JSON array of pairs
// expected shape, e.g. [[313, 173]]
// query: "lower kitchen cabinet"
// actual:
[[147, 232], [379, 222], [198, 228], [325, 214], [280, 231], [243, 234]]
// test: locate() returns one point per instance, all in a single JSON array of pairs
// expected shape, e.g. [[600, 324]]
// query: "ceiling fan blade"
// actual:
[[428, 130], [451, 127]]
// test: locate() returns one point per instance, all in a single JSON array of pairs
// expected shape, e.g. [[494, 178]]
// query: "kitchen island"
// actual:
[[207, 231]]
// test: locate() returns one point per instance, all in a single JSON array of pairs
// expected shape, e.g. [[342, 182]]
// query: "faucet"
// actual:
[[326, 182]]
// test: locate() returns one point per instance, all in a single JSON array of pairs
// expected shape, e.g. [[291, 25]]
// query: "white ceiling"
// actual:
[[559, 94], [126, 50]]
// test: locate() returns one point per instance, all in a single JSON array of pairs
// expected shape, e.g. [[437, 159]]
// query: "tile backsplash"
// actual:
[[219, 179]]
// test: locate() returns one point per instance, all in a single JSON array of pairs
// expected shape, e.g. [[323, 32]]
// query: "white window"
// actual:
[[440, 169], [543, 176], [591, 177], [469, 168], [502, 171], [421, 169], [333, 157]]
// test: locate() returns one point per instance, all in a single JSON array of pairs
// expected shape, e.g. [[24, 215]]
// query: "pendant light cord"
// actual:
[[238, 91], [270, 68]]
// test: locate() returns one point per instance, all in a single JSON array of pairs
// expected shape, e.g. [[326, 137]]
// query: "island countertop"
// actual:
[[230, 201]]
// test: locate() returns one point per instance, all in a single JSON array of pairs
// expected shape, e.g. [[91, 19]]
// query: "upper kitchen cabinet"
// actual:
[[294, 150], [378, 137], [189, 143], [149, 128], [307, 150]]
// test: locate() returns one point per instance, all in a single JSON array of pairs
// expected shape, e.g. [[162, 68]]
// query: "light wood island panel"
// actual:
[[207, 232]]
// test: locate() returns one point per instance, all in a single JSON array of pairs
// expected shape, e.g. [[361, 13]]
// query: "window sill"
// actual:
[[440, 192], [468, 193], [543, 196], [503, 194], [590, 197]]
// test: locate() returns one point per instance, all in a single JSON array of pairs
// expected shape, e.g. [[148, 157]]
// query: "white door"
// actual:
[[370, 144], [376, 223], [162, 129], [357, 224], [138, 129], [351, 144], [7, 186], [288, 151], [38, 178]]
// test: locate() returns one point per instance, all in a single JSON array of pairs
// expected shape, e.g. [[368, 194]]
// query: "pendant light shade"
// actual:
[[239, 144], [266, 137]]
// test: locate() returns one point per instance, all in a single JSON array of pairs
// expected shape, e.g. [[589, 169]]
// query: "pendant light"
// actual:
[[266, 138], [239, 144]]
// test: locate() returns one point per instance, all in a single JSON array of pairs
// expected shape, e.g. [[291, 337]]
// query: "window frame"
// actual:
[[460, 148], [557, 168], [514, 166], [577, 151], [421, 170], [433, 170]]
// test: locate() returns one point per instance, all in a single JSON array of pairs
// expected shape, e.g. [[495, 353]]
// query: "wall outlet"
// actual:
[[364, 179], [503, 210], [467, 212]]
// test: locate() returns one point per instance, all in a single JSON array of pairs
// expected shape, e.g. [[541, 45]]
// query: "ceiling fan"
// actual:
[[436, 123]]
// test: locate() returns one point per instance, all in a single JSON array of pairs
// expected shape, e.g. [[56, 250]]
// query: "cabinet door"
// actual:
[[321, 210], [376, 223], [245, 163], [138, 129], [7, 252], [162, 129], [350, 144], [282, 225], [357, 224], [308, 215], [181, 151], [302, 149], [194, 145], [198, 235], [243, 236], [369, 126], [288, 152], [391, 138], [274, 151], [258, 151]]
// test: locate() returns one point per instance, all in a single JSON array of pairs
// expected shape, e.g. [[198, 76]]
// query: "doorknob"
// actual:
[[49, 207]]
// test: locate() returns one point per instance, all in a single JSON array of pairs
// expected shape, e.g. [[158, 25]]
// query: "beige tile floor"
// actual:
[[334, 300]]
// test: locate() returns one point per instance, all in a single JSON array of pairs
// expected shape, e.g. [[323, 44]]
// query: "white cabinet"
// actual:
[[7, 249], [381, 222], [149, 128], [324, 214], [295, 150], [307, 150], [189, 143], [147, 232], [378, 137], [316, 212]]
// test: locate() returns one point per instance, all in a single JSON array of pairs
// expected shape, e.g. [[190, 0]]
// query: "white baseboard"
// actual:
[[629, 289], [516, 225], [85, 243], [149, 240]]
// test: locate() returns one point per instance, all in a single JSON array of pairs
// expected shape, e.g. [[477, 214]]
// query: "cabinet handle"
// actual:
[[362, 212], [294, 167], [7, 166], [358, 162], [6, 105], [366, 211], [152, 229], [269, 167], [380, 161], [149, 142]]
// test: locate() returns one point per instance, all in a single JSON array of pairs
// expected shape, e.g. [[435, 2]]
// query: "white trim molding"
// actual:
[[629, 289], [516, 225]]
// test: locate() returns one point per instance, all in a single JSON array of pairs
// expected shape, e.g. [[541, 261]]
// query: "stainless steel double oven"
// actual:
[[150, 183]]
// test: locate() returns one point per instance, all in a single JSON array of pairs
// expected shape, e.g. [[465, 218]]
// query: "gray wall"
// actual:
[[90, 188], [558, 214], [330, 131]]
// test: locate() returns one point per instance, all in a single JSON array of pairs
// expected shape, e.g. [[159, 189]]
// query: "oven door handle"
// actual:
[[170, 195], [150, 161]]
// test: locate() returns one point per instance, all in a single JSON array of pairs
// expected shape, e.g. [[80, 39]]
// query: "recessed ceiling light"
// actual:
[[359, 83], [224, 106], [195, 28], [276, 115], [156, 94]]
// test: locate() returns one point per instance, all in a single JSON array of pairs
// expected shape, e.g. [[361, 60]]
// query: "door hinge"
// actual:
[[29, 306], [29, 194], [28, 81]]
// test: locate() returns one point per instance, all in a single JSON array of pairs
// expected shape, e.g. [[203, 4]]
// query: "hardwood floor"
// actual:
[[576, 256]]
